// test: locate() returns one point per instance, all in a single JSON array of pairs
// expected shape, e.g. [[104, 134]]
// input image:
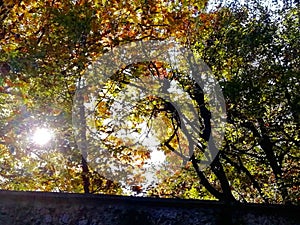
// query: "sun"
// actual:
[[42, 136]]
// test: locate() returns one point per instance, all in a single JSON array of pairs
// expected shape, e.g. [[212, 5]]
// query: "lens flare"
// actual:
[[42, 136]]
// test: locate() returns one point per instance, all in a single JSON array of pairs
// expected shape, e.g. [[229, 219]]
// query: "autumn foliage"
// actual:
[[46, 46]]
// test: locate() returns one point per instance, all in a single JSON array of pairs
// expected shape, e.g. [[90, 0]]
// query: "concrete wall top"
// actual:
[[85, 209]]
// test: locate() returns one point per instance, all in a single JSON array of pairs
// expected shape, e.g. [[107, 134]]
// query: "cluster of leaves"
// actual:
[[250, 51], [47, 45]]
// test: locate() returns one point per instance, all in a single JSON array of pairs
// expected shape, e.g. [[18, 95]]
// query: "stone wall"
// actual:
[[36, 208]]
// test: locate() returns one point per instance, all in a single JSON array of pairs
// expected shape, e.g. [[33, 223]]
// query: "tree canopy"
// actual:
[[47, 49]]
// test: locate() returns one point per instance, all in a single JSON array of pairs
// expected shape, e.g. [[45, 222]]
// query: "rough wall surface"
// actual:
[[35, 208]]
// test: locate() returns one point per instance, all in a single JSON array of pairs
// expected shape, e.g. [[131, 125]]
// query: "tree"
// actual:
[[248, 52], [46, 46], [254, 60]]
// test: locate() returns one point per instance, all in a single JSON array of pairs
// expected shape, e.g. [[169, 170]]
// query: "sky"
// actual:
[[213, 3]]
